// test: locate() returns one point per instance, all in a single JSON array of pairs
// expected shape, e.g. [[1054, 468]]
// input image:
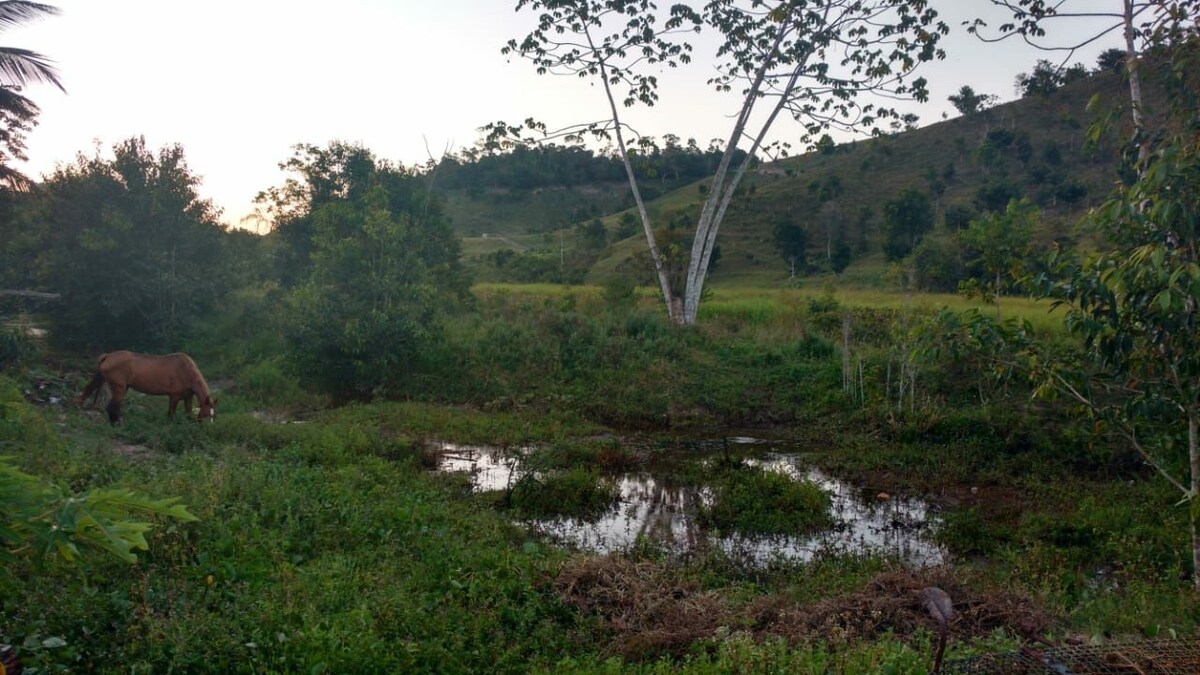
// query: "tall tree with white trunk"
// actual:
[[828, 64]]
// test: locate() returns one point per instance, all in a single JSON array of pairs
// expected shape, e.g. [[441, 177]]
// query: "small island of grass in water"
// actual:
[[753, 500]]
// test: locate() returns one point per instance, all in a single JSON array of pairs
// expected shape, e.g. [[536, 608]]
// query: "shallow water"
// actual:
[[655, 505]]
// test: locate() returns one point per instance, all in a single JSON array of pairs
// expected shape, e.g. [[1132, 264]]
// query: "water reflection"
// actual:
[[658, 507]]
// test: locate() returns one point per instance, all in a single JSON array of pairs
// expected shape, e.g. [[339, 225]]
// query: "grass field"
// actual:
[[327, 544], [781, 302]]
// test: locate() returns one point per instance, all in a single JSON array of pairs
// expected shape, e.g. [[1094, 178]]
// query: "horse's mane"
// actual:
[[201, 385]]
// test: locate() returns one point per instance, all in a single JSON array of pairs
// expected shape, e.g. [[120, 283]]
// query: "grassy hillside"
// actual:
[[1034, 147], [512, 212], [868, 173]]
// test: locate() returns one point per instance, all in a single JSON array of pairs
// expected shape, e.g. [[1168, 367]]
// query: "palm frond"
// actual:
[[18, 12], [21, 66]]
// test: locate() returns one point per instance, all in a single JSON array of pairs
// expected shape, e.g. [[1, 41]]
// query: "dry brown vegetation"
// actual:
[[650, 608]]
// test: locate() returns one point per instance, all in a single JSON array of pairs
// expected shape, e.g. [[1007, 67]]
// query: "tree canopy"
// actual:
[[130, 245]]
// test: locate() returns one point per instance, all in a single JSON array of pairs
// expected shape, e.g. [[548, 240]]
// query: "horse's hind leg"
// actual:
[[114, 404]]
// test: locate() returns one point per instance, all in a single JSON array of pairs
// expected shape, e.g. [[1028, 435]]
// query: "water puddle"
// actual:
[[658, 507]]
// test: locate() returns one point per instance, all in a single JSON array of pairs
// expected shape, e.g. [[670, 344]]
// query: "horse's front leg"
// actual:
[[187, 404], [174, 402]]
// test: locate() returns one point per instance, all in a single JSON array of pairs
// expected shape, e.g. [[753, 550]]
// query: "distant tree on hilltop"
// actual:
[[967, 102]]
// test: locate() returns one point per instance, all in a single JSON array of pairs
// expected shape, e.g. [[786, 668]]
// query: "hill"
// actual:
[[1034, 147]]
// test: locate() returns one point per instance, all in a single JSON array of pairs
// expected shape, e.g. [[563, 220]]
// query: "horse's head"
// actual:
[[208, 409]]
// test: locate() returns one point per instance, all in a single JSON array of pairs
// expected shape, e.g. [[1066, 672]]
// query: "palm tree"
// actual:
[[18, 68]]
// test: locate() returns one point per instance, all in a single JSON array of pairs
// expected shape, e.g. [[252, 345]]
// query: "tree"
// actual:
[[1136, 306], [130, 245], [20, 68], [998, 246], [779, 57], [1046, 78], [906, 218], [995, 196], [937, 264], [626, 226], [382, 268], [592, 235], [791, 241], [967, 102], [1111, 60]]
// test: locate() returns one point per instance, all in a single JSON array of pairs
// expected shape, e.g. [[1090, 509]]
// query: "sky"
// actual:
[[237, 83]]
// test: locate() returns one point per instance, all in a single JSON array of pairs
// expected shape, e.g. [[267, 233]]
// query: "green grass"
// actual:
[[751, 500], [758, 305], [328, 545]]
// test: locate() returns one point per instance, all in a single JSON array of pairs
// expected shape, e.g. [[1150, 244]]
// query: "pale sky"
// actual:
[[238, 82]]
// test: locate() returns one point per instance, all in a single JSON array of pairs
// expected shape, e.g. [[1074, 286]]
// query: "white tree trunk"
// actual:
[[1135, 81], [660, 268], [721, 193]]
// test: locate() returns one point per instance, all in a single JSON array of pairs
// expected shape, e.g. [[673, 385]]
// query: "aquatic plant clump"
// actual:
[[579, 493], [754, 500]]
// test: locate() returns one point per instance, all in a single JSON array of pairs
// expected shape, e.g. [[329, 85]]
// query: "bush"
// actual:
[[266, 381]]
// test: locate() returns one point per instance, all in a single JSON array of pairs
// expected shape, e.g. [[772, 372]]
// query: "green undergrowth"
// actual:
[[317, 554], [750, 499], [314, 552], [579, 493], [326, 545]]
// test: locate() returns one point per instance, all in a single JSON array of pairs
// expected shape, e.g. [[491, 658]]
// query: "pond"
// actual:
[[659, 507]]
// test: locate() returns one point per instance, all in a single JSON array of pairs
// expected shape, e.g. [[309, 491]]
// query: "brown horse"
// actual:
[[173, 375]]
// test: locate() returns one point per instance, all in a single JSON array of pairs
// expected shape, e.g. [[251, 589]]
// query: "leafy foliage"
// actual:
[[130, 245], [906, 219], [750, 499], [44, 521], [967, 102], [20, 67], [998, 248], [39, 520], [1136, 305], [1046, 78], [792, 242], [380, 266]]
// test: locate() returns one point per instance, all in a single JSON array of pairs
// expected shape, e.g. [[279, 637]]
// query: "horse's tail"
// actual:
[[93, 387]]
